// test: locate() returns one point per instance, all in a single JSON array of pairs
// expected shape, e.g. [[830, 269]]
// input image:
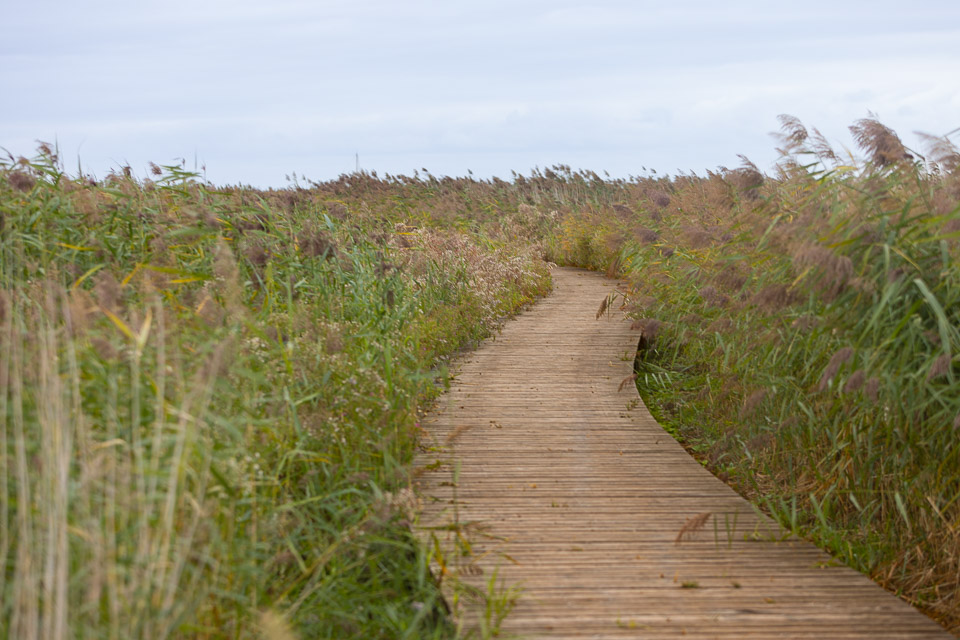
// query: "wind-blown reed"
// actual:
[[209, 399], [809, 343]]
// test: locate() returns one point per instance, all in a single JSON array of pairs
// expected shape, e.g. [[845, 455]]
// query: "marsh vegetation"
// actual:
[[210, 396]]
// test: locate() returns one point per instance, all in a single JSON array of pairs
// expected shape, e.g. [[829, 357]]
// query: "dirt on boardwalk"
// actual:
[[562, 482]]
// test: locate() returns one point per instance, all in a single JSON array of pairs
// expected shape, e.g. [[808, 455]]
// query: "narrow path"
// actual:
[[567, 486]]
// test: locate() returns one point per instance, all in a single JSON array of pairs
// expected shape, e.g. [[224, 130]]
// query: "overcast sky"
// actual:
[[257, 90]]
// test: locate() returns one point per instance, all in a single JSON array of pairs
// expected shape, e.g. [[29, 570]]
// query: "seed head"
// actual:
[[104, 349], [713, 297], [691, 527], [834, 271], [732, 278], [836, 361], [645, 236], [774, 296], [660, 199], [792, 132], [752, 403], [107, 290], [881, 143], [941, 367], [649, 327], [940, 150], [20, 181]]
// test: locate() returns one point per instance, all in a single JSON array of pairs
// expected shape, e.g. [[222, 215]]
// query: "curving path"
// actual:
[[569, 489]]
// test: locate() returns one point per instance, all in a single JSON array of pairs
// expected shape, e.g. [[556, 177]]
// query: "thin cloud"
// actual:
[[253, 87]]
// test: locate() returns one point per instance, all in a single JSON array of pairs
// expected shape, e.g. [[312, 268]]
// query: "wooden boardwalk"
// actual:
[[570, 489]]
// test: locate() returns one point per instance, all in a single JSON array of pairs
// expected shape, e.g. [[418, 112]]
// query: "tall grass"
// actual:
[[210, 396], [209, 400], [806, 337]]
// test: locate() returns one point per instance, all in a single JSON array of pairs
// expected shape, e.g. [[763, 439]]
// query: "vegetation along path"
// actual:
[[548, 470]]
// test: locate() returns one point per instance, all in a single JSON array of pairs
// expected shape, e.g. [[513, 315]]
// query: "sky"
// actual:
[[252, 92]]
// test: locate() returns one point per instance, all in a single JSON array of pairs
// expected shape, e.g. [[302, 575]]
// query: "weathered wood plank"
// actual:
[[566, 486]]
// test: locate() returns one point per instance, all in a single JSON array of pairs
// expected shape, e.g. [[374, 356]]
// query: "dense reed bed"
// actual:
[[209, 397], [800, 335], [209, 400]]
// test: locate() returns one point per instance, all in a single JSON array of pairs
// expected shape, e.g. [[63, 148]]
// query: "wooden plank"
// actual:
[[568, 488]]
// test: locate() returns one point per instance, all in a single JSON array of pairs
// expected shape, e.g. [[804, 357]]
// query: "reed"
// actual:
[[209, 395], [808, 346], [209, 401]]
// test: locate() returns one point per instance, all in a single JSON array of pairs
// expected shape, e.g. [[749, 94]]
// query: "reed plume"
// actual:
[[691, 527]]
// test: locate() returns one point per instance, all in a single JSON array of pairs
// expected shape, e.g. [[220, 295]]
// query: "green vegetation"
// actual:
[[800, 336], [209, 399]]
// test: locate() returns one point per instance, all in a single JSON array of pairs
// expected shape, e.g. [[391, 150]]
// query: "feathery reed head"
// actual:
[[837, 360], [833, 271], [752, 403], [21, 181], [855, 381], [940, 367], [882, 144], [691, 527]]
